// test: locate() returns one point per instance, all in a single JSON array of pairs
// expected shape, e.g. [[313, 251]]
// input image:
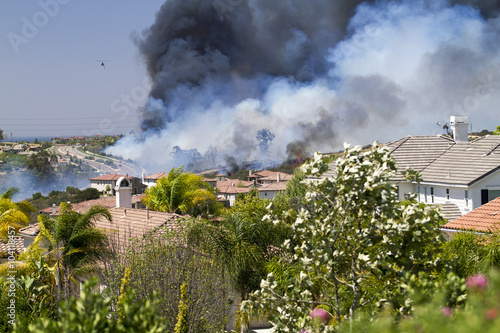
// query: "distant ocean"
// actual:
[[25, 138]]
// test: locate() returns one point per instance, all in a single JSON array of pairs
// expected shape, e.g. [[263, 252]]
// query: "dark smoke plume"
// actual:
[[315, 73]]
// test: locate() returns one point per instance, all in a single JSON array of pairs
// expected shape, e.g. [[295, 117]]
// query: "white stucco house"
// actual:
[[151, 180], [109, 181], [455, 172]]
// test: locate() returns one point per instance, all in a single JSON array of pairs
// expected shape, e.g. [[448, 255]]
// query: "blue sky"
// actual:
[[50, 84]]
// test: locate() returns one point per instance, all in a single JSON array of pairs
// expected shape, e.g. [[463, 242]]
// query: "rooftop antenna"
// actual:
[[445, 127]]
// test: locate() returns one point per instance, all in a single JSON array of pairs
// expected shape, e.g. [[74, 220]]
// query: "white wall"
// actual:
[[150, 182], [456, 196], [268, 194], [100, 185], [491, 182]]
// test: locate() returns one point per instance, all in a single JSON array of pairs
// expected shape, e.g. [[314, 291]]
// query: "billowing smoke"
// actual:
[[313, 73]]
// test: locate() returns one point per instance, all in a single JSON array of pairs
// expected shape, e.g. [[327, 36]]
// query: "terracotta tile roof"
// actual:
[[485, 218], [17, 246], [111, 176], [234, 182], [265, 173], [126, 223], [31, 230], [157, 176], [233, 189], [82, 207], [281, 186]]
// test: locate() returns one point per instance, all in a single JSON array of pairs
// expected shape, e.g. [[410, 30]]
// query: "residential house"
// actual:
[[82, 207], [151, 180], [267, 183], [229, 190], [126, 222], [35, 147], [270, 191], [268, 177], [454, 171], [101, 183], [19, 148], [6, 149]]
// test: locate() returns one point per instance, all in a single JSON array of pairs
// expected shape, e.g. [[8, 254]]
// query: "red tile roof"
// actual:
[[82, 207], [485, 218], [270, 175], [157, 176], [17, 245], [233, 189], [281, 186], [110, 176], [126, 223]]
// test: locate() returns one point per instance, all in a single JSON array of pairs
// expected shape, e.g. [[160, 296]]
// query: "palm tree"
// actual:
[[180, 192], [13, 216], [72, 242]]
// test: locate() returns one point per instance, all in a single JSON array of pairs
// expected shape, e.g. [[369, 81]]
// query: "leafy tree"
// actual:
[[12, 214], [37, 196], [245, 242], [91, 312], [40, 166], [355, 244], [479, 314], [180, 192], [73, 243], [87, 194], [497, 131], [1, 135], [473, 253], [165, 260]]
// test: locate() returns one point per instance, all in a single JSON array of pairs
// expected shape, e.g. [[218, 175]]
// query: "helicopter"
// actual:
[[102, 63]]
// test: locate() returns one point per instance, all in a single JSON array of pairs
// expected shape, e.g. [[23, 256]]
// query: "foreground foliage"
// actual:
[[191, 285], [92, 312], [13, 215], [481, 313], [355, 246]]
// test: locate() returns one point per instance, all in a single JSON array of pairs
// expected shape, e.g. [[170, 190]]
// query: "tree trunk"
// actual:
[[59, 287], [244, 320]]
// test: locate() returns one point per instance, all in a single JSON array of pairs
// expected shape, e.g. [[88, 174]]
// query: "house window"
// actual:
[[432, 194], [418, 191], [466, 198], [493, 194], [425, 193], [447, 194]]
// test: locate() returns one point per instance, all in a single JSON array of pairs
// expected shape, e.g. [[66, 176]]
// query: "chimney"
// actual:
[[123, 193], [278, 177], [459, 128], [54, 209]]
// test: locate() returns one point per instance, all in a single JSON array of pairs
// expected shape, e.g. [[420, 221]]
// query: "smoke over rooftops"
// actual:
[[315, 73]]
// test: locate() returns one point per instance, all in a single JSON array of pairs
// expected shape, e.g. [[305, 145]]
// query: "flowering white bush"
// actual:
[[355, 244]]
